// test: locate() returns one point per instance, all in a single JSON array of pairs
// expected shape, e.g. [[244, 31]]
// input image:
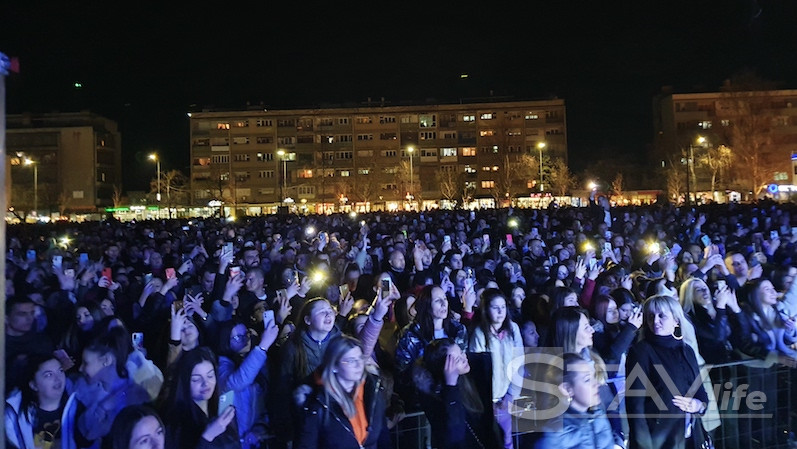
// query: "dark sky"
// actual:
[[146, 65]]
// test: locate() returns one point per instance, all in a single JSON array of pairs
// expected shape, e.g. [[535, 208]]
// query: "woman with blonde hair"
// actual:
[[663, 392], [347, 410]]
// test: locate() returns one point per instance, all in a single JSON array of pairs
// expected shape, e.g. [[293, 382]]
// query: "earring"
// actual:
[[334, 371], [677, 333], [569, 399]]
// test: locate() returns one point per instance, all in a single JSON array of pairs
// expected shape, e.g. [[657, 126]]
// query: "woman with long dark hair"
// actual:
[[458, 415], [192, 411], [499, 336], [34, 414], [138, 427], [347, 409], [432, 321]]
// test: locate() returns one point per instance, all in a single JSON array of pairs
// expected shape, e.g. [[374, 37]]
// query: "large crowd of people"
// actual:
[[326, 330]]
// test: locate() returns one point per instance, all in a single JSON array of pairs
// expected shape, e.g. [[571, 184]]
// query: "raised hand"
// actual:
[[219, 425]]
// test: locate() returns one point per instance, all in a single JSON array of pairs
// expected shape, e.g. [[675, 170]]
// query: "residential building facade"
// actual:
[[62, 161], [757, 129], [368, 157]]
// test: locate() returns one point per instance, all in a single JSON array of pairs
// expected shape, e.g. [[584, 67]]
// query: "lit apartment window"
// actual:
[[427, 121], [488, 184], [222, 126], [261, 122], [705, 124], [448, 152], [532, 116], [242, 124], [390, 170], [513, 132], [363, 171], [306, 173], [345, 173], [487, 116], [469, 118], [725, 123], [485, 168], [495, 168], [470, 170], [469, 151], [487, 133], [364, 120]]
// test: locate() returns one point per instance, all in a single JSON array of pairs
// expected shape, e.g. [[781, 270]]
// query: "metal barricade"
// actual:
[[755, 405], [412, 432]]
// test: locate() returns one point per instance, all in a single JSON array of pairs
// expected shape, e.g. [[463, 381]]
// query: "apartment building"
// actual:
[[758, 129], [368, 157], [62, 161]]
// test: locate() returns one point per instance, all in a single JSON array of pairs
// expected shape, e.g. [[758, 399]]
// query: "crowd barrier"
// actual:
[[754, 407]]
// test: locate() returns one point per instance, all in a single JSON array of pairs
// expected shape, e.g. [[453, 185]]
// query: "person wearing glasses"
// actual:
[[347, 409], [242, 368]]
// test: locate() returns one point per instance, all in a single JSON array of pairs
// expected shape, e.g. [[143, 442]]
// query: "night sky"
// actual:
[[145, 66]]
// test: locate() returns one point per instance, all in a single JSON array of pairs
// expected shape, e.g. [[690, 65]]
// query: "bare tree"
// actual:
[[64, 200], [366, 186], [174, 184], [748, 108], [562, 180], [617, 185], [674, 175], [116, 197], [449, 181], [716, 160]]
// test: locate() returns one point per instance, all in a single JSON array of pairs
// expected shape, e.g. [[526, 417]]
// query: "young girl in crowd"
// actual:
[[192, 412], [138, 427], [499, 336], [34, 415], [584, 424], [460, 417], [347, 409]]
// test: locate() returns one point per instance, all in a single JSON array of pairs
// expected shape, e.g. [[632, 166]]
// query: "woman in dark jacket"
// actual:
[[460, 416], [348, 409], [712, 328], [658, 400]]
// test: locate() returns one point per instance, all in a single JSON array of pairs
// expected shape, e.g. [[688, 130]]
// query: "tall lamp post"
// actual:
[[540, 146], [411, 150], [29, 161], [283, 186], [154, 157], [690, 160]]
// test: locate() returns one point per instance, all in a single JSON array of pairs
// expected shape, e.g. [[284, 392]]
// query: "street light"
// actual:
[[690, 160], [154, 157], [29, 161], [283, 187], [540, 146], [410, 150]]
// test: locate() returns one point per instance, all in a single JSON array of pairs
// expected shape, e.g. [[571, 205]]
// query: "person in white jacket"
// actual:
[[497, 334], [34, 414]]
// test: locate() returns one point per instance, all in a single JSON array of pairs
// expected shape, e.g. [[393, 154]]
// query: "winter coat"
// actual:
[[589, 430], [324, 425]]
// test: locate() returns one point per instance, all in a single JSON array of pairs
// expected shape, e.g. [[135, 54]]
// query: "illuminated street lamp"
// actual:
[[283, 187], [29, 161], [690, 160], [411, 150], [540, 146]]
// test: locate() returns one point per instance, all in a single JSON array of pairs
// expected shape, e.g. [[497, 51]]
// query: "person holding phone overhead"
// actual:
[[242, 369]]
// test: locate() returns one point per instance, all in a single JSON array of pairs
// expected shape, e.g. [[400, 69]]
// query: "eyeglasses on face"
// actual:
[[353, 361]]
